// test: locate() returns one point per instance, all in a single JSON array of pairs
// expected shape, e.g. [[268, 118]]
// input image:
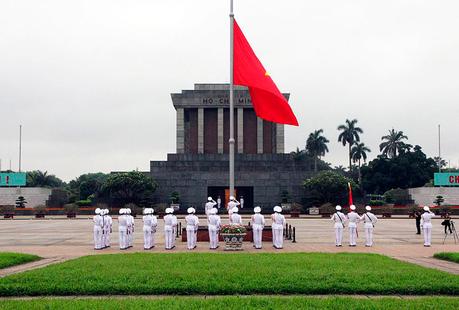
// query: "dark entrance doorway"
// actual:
[[240, 191]]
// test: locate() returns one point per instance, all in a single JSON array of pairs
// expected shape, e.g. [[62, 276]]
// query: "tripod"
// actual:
[[454, 233]]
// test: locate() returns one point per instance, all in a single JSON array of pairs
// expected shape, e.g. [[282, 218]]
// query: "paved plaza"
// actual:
[[57, 239]]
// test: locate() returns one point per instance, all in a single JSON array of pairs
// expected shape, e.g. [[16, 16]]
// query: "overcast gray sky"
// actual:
[[91, 80]]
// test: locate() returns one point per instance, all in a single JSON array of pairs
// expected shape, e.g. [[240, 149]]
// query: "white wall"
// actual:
[[33, 195]]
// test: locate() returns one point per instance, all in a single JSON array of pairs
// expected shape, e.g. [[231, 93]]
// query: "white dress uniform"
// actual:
[[209, 205], [170, 222], [192, 224], [426, 224], [339, 219], [370, 220], [107, 228], [213, 223], [122, 229], [233, 203], [258, 223], [353, 219], [98, 226], [278, 222], [235, 218], [149, 228], [130, 229]]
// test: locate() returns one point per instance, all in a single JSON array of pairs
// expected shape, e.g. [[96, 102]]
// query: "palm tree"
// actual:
[[393, 143], [316, 145], [359, 152], [349, 135]]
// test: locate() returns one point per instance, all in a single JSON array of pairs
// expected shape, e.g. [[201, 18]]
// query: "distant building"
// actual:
[[199, 168]]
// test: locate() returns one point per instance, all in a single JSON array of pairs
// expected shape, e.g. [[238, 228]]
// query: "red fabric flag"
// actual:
[[351, 202], [267, 100]]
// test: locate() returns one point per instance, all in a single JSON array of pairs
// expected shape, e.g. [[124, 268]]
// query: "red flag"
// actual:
[[267, 100], [351, 202]]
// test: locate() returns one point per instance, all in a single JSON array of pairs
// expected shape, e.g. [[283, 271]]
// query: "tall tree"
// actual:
[[316, 145], [39, 178], [393, 143], [350, 134], [359, 152]]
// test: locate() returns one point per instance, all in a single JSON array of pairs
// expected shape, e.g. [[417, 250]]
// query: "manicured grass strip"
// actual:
[[248, 302], [452, 257], [11, 259], [229, 274]]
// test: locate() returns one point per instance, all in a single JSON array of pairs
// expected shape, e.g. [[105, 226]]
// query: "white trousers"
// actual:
[[190, 237], [130, 238], [352, 235], [213, 237], [257, 235], [168, 237], [278, 237], [107, 237], [97, 237], [338, 235], [427, 230], [369, 235], [147, 237], [123, 237]]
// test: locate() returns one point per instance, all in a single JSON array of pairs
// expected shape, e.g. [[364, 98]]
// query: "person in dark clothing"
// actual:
[[417, 215], [447, 223]]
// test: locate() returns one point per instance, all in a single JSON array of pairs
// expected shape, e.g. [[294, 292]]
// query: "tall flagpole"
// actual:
[[231, 101]]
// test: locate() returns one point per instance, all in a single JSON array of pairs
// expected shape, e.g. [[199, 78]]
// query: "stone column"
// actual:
[[200, 131], [259, 135], [240, 130], [280, 138], [220, 131], [180, 131]]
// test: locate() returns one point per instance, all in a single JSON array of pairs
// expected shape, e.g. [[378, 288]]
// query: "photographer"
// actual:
[[447, 223]]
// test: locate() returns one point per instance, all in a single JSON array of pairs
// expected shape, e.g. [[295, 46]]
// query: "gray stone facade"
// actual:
[[192, 174]]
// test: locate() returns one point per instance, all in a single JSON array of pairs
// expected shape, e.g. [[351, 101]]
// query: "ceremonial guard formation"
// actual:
[[339, 219], [213, 223], [278, 222], [170, 226], [258, 223], [426, 224], [192, 224], [150, 223]]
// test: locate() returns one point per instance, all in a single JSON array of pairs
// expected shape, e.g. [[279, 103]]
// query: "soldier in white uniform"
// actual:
[[130, 228], [353, 219], [170, 221], [426, 224], [278, 222], [370, 220], [235, 218], [258, 223], [232, 204], [107, 227], [219, 202], [192, 225], [339, 219], [98, 226], [213, 223], [241, 201], [122, 229], [209, 205], [149, 229]]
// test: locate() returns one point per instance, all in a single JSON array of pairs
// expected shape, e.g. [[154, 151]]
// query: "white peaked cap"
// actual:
[[97, 211], [121, 211], [338, 208], [277, 209], [213, 211], [146, 211], [426, 208], [257, 209], [235, 210], [190, 210], [231, 197], [128, 211], [209, 198], [152, 210], [107, 211], [368, 208], [168, 210], [352, 207]]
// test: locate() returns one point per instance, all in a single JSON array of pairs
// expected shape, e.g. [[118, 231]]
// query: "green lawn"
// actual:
[[229, 274], [252, 302], [452, 257], [11, 259]]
